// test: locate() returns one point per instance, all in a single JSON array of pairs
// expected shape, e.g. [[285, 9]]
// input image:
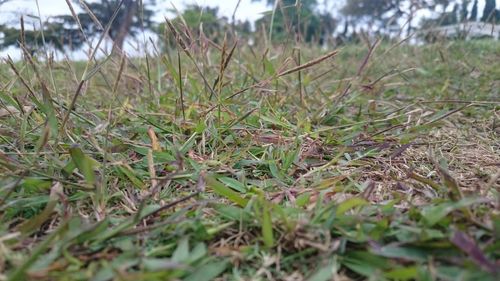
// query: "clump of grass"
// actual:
[[248, 163]]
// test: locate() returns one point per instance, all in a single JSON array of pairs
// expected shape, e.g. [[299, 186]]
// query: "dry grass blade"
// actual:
[[87, 75], [155, 145], [308, 64], [151, 168], [49, 108], [119, 75], [10, 111], [368, 56], [22, 35], [21, 78], [448, 114], [91, 14], [178, 38], [467, 244], [423, 180], [78, 22], [180, 41], [280, 74], [180, 83], [224, 63], [450, 183]]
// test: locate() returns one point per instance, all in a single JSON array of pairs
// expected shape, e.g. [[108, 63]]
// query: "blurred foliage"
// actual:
[[460, 13], [198, 21], [300, 18], [63, 30], [490, 14], [55, 33], [103, 11]]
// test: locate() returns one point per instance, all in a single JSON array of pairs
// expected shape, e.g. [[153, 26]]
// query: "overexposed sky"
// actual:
[[248, 10]]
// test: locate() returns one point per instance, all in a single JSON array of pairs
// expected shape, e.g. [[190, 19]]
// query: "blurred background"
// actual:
[[70, 27]]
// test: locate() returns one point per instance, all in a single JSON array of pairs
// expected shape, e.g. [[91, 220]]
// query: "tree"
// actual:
[[298, 17], [473, 13], [131, 18], [489, 11], [452, 18], [62, 31], [385, 13], [380, 13], [194, 20], [464, 12], [56, 34], [200, 18]]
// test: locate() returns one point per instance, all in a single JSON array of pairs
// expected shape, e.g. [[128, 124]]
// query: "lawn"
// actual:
[[376, 161]]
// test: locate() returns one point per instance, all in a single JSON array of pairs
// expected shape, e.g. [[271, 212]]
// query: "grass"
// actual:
[[380, 162]]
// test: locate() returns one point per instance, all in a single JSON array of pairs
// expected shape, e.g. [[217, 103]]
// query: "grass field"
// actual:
[[377, 162]]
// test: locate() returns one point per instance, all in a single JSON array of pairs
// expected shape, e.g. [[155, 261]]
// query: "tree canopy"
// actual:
[[63, 31], [489, 12], [132, 16], [56, 34], [300, 18]]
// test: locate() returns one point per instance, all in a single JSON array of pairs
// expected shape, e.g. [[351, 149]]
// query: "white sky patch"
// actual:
[[248, 10]]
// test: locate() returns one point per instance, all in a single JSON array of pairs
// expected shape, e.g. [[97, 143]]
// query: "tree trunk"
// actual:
[[125, 25]]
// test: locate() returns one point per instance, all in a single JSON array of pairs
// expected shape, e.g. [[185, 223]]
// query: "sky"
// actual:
[[248, 9]]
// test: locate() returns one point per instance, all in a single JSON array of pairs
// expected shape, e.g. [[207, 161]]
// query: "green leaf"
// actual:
[[69, 168], [303, 199], [269, 67], [181, 253], [152, 264], [273, 168], [226, 192], [36, 184], [189, 143], [200, 127], [325, 273], [49, 111], [207, 272], [289, 159], [234, 184], [35, 222], [267, 225], [92, 231], [42, 247], [277, 122], [131, 176], [83, 163], [407, 253], [365, 263], [403, 273], [349, 204], [232, 212], [435, 213], [198, 252]]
